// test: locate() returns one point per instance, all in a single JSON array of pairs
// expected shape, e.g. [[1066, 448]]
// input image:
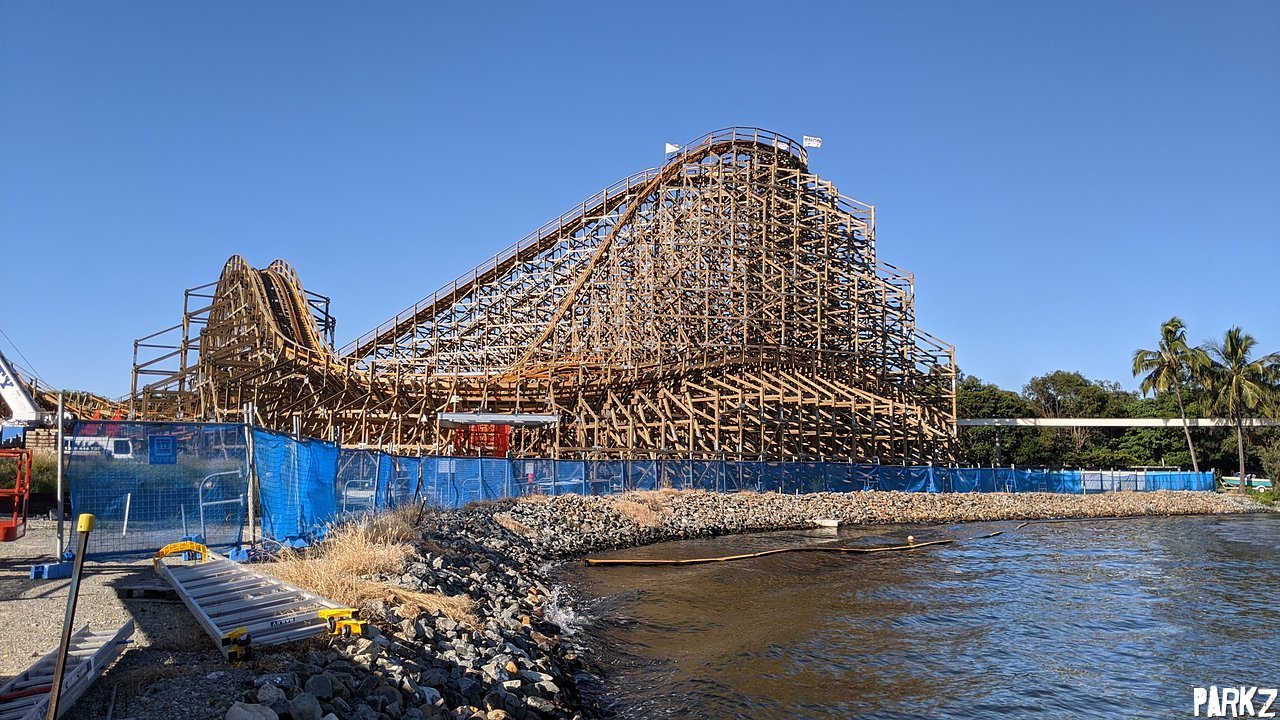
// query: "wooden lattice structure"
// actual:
[[729, 304]]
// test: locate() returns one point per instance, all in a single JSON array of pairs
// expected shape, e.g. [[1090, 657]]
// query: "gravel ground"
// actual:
[[167, 644], [37, 606]]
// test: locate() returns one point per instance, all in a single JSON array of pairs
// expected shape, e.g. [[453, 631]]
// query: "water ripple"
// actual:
[[1073, 620]]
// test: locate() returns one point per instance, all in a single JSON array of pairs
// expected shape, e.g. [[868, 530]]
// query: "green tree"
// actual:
[[991, 445], [1072, 395], [1170, 365], [1269, 455], [1235, 384], [1151, 446]]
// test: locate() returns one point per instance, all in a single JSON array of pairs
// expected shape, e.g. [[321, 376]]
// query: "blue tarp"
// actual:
[[296, 487]]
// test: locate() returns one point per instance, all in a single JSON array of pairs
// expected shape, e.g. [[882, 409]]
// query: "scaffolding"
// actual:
[[728, 305]]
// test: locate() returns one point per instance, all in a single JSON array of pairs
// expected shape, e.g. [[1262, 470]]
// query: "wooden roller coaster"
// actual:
[[729, 304]]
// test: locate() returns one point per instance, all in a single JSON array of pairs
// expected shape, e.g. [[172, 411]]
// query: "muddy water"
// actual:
[[1094, 619]]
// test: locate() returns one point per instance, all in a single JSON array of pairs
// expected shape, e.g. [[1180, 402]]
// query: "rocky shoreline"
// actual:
[[512, 659], [571, 525]]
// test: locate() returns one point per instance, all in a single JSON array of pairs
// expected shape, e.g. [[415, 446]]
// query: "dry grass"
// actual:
[[459, 608], [335, 567], [395, 526], [642, 514], [514, 525], [658, 500]]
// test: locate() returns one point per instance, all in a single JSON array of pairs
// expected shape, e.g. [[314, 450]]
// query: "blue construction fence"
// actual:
[[153, 483], [149, 484]]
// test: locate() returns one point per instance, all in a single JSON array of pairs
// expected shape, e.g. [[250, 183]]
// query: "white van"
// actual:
[[101, 445]]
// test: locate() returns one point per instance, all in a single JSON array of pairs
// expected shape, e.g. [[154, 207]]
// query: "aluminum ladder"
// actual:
[[26, 697], [241, 608]]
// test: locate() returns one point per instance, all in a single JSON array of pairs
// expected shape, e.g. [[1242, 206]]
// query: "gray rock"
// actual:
[[305, 706], [495, 699], [515, 706], [389, 694], [435, 677], [319, 685], [547, 688], [540, 704], [465, 684], [423, 632], [286, 681], [270, 694], [244, 711], [430, 696], [431, 712]]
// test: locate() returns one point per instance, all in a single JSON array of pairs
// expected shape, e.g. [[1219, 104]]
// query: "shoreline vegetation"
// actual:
[[470, 623], [1226, 378]]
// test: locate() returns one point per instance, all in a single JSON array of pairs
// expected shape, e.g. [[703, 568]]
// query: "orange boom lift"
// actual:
[[14, 525]]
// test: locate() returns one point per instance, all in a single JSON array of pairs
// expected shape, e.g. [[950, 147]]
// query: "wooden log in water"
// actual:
[[763, 553]]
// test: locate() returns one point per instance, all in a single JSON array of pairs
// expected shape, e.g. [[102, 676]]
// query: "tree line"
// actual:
[[1220, 378]]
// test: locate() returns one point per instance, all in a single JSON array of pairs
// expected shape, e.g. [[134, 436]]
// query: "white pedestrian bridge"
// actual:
[[1114, 422]]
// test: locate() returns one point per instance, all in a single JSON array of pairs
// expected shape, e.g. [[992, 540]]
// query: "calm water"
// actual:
[[1099, 619]]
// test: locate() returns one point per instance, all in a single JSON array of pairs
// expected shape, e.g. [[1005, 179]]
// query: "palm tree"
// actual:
[[1169, 366], [1235, 384]]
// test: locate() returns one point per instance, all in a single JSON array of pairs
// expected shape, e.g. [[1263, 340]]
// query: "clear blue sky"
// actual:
[[1060, 177]]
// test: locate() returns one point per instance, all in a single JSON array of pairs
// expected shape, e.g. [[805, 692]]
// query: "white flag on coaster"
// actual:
[[811, 141], [672, 148]]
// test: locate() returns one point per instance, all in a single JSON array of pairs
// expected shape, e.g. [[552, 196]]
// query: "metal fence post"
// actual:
[[453, 482], [62, 548], [253, 474]]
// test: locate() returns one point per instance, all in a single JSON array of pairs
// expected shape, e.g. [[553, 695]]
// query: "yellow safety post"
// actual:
[[84, 525]]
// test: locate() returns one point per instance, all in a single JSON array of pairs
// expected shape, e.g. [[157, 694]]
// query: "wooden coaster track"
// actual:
[[728, 305]]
